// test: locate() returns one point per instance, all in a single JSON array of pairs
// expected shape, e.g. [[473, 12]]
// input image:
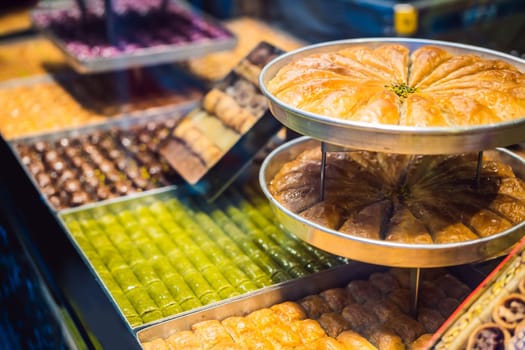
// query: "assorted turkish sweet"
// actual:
[[81, 100], [30, 57], [250, 67], [134, 28], [76, 170], [15, 19], [160, 255], [388, 84], [403, 198], [210, 131], [506, 327], [248, 31], [365, 314]]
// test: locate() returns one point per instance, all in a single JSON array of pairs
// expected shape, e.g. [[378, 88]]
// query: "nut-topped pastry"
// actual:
[[388, 84]]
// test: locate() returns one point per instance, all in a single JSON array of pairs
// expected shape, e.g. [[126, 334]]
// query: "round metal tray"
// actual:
[[392, 138], [383, 252]]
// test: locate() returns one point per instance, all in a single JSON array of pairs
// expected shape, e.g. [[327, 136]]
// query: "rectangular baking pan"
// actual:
[[145, 57], [123, 123], [287, 291]]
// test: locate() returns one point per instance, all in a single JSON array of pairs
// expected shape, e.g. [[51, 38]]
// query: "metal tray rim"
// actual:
[[352, 267], [119, 120]]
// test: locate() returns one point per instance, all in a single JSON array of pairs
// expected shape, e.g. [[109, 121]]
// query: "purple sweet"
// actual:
[[138, 24]]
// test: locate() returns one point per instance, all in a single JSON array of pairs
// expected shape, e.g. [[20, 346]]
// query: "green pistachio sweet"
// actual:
[[401, 89]]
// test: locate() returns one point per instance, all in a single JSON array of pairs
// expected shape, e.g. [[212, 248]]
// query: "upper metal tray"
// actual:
[[393, 138], [384, 252]]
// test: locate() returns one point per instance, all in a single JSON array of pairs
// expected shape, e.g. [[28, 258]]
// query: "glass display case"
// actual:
[[131, 179]]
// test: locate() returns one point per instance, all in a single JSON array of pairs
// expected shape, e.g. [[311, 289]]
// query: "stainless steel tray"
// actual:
[[121, 123], [382, 252], [172, 79], [156, 54], [290, 290], [392, 138]]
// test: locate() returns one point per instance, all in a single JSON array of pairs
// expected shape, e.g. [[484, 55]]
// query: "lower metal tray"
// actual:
[[382, 252], [289, 291], [268, 296]]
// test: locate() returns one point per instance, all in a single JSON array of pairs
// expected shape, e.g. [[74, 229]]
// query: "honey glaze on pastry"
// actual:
[[402, 198], [429, 87]]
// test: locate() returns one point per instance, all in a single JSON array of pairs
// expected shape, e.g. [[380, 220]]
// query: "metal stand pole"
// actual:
[[415, 276], [478, 169], [323, 170]]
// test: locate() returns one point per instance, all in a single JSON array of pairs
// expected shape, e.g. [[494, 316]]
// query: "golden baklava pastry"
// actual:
[[403, 198], [388, 84]]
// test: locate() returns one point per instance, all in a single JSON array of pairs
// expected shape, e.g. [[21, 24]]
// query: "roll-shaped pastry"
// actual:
[[453, 287], [271, 328], [383, 281], [337, 298], [384, 338], [210, 333], [308, 330], [401, 275], [289, 311], [383, 309], [237, 327], [314, 306], [198, 142], [422, 343], [333, 323], [406, 327], [359, 317], [401, 297], [363, 291], [183, 340], [431, 294], [228, 111], [430, 319], [490, 336], [447, 306], [353, 340], [509, 311]]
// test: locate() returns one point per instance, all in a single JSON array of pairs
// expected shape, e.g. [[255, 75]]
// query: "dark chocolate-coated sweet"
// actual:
[[101, 165]]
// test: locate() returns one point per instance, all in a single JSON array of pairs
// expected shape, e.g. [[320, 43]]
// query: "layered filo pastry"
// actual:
[[403, 198], [388, 84]]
